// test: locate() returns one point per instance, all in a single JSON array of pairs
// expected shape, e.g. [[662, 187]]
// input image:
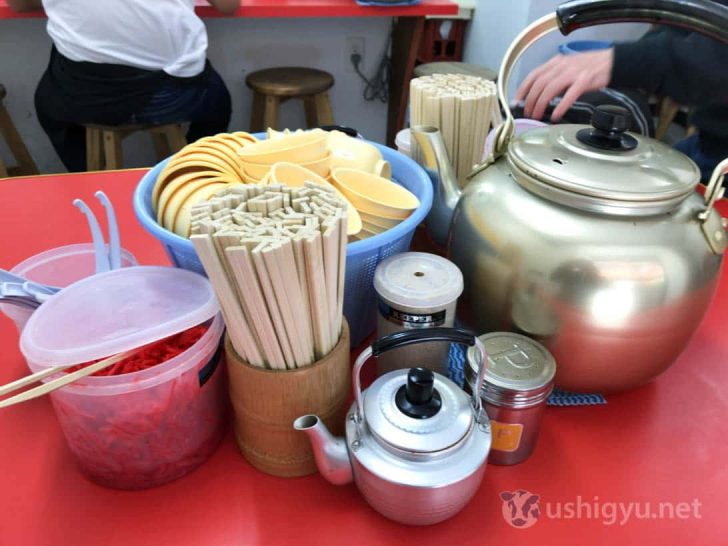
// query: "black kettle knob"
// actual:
[[418, 398], [609, 124]]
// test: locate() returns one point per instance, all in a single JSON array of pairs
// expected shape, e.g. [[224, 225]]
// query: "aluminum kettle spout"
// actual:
[[430, 152], [332, 456]]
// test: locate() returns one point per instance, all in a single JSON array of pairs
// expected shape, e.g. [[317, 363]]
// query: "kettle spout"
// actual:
[[332, 457], [431, 153]]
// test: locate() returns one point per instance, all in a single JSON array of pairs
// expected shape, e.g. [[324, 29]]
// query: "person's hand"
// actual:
[[571, 75]]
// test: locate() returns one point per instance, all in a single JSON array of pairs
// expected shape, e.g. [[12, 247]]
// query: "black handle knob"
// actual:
[[419, 398], [420, 384], [609, 123], [611, 119]]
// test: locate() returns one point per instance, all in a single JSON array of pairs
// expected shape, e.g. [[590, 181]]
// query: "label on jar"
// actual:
[[411, 320], [506, 436]]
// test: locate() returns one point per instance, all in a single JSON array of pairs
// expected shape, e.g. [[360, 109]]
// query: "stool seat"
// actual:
[[289, 81], [428, 69], [103, 142], [273, 86]]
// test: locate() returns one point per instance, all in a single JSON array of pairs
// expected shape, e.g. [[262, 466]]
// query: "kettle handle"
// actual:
[[412, 337], [704, 16]]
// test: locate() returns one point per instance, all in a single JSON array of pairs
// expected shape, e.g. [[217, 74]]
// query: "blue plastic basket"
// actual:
[[580, 46], [362, 257]]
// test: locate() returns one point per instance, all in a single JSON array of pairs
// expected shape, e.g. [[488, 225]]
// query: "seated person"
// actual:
[[685, 66], [136, 61]]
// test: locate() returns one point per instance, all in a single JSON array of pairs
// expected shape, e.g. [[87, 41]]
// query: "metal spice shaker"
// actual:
[[416, 290], [518, 381]]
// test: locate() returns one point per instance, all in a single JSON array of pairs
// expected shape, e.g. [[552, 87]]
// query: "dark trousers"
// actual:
[[204, 103]]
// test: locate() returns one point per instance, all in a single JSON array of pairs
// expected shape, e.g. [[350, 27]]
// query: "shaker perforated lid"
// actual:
[[515, 362], [113, 312], [418, 280], [431, 434]]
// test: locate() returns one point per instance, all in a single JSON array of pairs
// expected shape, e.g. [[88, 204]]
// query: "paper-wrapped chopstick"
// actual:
[[464, 108]]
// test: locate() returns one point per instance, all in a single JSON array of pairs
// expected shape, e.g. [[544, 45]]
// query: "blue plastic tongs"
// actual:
[[105, 261]]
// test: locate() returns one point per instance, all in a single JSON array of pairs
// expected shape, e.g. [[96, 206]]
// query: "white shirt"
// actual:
[[151, 34]]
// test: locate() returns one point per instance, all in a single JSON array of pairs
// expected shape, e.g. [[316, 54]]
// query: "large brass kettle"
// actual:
[[590, 239]]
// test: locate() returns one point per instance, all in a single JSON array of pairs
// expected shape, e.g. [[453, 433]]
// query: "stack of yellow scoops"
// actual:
[[355, 169]]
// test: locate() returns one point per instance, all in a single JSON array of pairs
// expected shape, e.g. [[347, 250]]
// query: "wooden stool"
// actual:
[[273, 86], [25, 164], [103, 143]]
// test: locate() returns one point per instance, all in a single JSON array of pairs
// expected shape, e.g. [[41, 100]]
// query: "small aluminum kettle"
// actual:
[[416, 444]]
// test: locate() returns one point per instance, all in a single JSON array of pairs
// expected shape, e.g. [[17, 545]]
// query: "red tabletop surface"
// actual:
[[663, 443], [300, 8]]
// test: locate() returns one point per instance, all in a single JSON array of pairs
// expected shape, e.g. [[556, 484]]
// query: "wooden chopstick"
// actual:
[[241, 264], [56, 383], [238, 329]]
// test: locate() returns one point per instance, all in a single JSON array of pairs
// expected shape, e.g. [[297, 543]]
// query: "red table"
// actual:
[[406, 34], [663, 443], [300, 8]]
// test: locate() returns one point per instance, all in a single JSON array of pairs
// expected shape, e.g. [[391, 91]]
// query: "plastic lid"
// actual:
[[426, 435], [650, 178], [117, 311], [418, 280], [515, 362]]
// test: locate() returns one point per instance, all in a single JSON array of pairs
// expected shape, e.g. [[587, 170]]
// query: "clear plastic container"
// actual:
[[144, 428], [150, 427], [59, 266], [403, 141]]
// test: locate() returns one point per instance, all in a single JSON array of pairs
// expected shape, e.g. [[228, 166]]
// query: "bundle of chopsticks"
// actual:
[[463, 107], [276, 258]]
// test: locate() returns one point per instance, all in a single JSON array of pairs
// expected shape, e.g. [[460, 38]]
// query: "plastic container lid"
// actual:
[[418, 280], [113, 312]]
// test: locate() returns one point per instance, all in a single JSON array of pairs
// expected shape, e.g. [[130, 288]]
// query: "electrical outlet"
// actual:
[[354, 46]]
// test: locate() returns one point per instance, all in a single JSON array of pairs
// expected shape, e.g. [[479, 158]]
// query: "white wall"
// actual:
[[236, 47], [497, 22]]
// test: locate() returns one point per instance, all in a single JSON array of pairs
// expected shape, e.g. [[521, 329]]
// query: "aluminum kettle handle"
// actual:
[[703, 16], [412, 337]]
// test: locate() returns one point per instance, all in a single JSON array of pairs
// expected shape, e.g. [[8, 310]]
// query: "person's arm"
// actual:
[[228, 7], [687, 67], [25, 5]]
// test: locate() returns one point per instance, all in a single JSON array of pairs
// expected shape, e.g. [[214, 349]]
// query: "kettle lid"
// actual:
[[603, 168], [417, 411]]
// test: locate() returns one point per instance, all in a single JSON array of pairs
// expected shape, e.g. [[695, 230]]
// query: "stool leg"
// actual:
[[93, 149], [161, 145], [309, 107], [113, 154], [270, 118], [323, 109], [25, 162], [668, 110], [175, 137], [3, 170], [256, 114]]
